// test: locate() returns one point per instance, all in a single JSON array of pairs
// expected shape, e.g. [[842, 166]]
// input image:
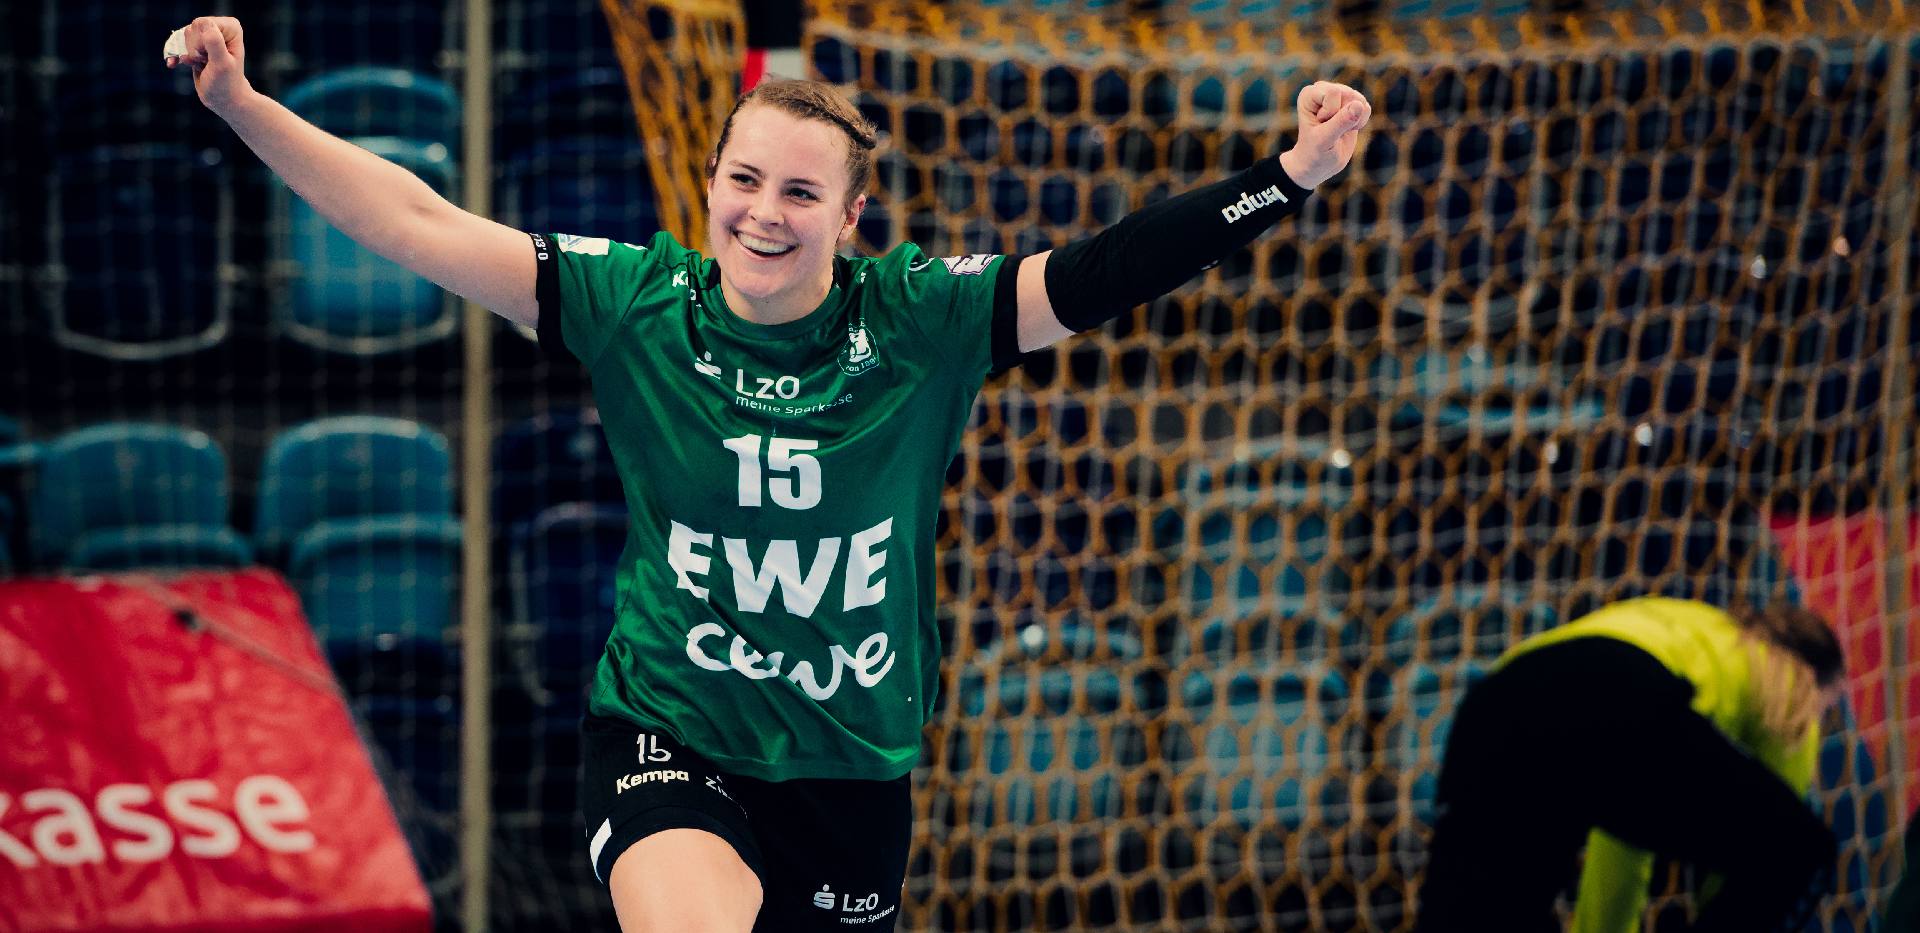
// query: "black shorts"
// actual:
[[831, 855]]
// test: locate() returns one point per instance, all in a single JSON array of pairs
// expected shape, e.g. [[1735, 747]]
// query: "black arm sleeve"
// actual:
[[1157, 248], [1005, 336], [546, 294]]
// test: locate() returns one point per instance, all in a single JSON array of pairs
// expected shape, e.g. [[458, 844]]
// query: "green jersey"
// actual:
[[775, 597]]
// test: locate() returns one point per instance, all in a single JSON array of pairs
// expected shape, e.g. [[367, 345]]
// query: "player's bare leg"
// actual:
[[684, 881]]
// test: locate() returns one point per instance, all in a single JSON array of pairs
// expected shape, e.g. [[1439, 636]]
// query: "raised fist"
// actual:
[[1331, 116], [214, 47]]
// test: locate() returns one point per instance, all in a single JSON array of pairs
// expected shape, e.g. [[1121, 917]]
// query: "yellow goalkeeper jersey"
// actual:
[[1702, 644]]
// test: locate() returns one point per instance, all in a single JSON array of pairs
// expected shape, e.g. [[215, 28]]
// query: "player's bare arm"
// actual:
[[379, 204]]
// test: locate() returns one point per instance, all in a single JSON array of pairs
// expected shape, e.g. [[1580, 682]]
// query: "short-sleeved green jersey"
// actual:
[[775, 597]]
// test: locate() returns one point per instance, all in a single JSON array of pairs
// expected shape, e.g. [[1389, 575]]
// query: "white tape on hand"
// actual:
[[176, 44]]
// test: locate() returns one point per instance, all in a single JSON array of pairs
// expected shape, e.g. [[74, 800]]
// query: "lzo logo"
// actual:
[[860, 354]]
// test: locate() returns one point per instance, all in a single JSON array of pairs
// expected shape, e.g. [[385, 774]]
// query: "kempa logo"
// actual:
[[1249, 203], [649, 777]]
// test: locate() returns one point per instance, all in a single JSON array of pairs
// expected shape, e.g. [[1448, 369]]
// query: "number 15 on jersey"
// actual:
[[789, 476]]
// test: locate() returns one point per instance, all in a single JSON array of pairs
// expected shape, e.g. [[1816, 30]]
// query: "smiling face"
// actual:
[[778, 208]]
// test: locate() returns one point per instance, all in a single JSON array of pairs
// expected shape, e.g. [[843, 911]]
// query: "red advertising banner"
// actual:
[[174, 756], [1841, 563]]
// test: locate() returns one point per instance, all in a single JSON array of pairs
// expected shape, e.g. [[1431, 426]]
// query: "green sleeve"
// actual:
[[596, 282], [949, 300], [1613, 886]]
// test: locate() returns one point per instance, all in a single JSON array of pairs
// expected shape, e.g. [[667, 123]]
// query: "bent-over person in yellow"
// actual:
[[1650, 726]]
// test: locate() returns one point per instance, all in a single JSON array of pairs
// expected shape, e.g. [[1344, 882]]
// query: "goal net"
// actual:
[[1611, 313]]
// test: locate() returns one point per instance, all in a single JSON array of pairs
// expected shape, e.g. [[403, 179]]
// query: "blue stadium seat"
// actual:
[[424, 667], [317, 38], [1004, 798], [1269, 511], [158, 547], [1285, 473], [1478, 390], [1227, 582], [1267, 635], [138, 194], [1263, 748], [1049, 743], [1064, 668], [102, 486], [1011, 691], [404, 693], [140, 259], [567, 104], [419, 737], [547, 38], [1439, 623], [346, 298], [553, 458], [377, 580], [586, 185], [343, 297], [381, 594], [1049, 769], [389, 103], [563, 570], [349, 467]]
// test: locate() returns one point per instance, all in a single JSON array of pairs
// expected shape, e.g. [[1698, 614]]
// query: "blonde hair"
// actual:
[[1792, 656]]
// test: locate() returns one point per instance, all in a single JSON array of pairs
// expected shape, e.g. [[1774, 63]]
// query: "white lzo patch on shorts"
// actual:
[[583, 245], [600, 837]]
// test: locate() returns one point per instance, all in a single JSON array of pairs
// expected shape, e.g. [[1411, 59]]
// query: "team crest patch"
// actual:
[[859, 355], [967, 265], [584, 245]]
